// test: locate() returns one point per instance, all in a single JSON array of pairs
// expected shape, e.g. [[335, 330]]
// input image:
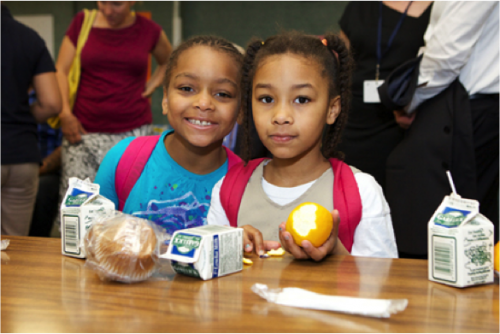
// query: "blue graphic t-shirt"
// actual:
[[165, 193]]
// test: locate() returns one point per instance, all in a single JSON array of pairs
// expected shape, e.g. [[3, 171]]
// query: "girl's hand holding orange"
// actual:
[[308, 250]]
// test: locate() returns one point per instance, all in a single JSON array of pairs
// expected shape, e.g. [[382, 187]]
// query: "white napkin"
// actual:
[[5, 243], [379, 308]]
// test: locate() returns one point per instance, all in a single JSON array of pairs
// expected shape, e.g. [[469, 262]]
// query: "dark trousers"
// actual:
[[450, 132], [46, 206], [484, 112]]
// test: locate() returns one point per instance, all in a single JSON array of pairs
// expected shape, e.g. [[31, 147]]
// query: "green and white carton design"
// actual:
[[460, 244], [81, 205], [206, 252]]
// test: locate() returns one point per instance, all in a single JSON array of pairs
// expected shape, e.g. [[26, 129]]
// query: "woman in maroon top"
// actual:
[[112, 99]]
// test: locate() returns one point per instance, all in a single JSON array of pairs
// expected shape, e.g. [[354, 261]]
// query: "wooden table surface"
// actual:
[[44, 291]]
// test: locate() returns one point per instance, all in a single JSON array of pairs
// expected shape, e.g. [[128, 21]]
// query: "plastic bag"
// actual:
[[5, 244], [124, 248]]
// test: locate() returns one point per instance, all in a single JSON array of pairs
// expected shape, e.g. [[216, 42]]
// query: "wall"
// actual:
[[239, 21], [234, 20]]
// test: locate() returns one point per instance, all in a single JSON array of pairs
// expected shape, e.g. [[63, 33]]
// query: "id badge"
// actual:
[[370, 92]]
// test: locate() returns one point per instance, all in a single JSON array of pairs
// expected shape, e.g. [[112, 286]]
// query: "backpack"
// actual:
[[133, 161], [346, 197]]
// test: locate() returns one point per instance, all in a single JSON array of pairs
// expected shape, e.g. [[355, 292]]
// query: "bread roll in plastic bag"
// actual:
[[123, 247]]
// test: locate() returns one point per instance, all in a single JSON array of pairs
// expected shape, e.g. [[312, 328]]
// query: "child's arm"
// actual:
[[374, 235], [331, 246], [216, 214]]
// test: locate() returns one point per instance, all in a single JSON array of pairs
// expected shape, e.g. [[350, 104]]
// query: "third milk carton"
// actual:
[[460, 244], [80, 207], [206, 252]]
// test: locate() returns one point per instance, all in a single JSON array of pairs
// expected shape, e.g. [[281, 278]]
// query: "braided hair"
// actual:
[[217, 43], [336, 62]]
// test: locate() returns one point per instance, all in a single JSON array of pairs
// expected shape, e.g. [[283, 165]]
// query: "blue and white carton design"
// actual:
[[460, 244], [81, 205], [206, 252]]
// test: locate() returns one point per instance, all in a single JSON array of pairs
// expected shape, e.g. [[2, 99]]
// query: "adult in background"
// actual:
[[112, 99], [382, 36], [452, 125], [26, 63]]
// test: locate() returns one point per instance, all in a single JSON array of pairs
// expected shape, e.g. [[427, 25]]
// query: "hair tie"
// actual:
[[336, 54], [325, 43]]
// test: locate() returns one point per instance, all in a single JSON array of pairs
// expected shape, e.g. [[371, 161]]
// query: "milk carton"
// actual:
[[81, 205], [460, 244], [206, 252]]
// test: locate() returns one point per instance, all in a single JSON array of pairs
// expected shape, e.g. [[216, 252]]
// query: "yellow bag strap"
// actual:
[[74, 73], [85, 30]]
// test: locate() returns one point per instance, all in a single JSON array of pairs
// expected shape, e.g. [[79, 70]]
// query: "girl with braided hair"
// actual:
[[296, 88]]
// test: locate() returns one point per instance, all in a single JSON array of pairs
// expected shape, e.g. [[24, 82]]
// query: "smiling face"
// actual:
[[202, 99], [291, 105], [115, 12]]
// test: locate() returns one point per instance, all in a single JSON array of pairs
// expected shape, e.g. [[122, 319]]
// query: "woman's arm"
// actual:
[[161, 53], [449, 43], [70, 125]]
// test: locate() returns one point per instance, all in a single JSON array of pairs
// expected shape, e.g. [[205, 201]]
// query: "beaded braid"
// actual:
[[343, 88], [217, 43]]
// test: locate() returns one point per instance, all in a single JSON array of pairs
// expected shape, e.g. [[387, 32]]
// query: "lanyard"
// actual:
[[391, 39]]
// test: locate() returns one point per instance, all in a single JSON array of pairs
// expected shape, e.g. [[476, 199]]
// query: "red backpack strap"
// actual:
[[347, 200], [131, 165], [233, 187], [232, 158]]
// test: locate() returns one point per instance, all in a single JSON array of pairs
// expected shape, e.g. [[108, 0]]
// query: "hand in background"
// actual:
[[149, 90], [403, 119], [51, 163], [71, 128]]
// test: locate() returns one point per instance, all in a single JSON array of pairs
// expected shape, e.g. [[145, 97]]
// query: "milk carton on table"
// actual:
[[81, 205], [460, 244], [206, 252]]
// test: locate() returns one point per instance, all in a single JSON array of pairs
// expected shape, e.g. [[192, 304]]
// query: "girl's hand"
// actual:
[[252, 241], [71, 128], [331, 246]]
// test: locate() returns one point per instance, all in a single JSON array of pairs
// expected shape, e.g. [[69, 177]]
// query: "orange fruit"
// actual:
[[310, 221], [497, 257]]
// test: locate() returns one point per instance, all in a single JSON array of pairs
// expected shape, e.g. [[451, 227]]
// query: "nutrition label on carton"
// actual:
[[231, 259]]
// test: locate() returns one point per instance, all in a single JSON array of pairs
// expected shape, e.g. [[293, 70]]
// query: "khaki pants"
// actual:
[[19, 188]]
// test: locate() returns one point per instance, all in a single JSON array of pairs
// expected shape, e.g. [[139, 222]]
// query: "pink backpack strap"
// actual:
[[347, 201], [232, 158], [233, 187], [131, 165]]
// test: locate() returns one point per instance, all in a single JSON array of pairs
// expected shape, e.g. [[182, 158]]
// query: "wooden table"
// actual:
[[44, 291]]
